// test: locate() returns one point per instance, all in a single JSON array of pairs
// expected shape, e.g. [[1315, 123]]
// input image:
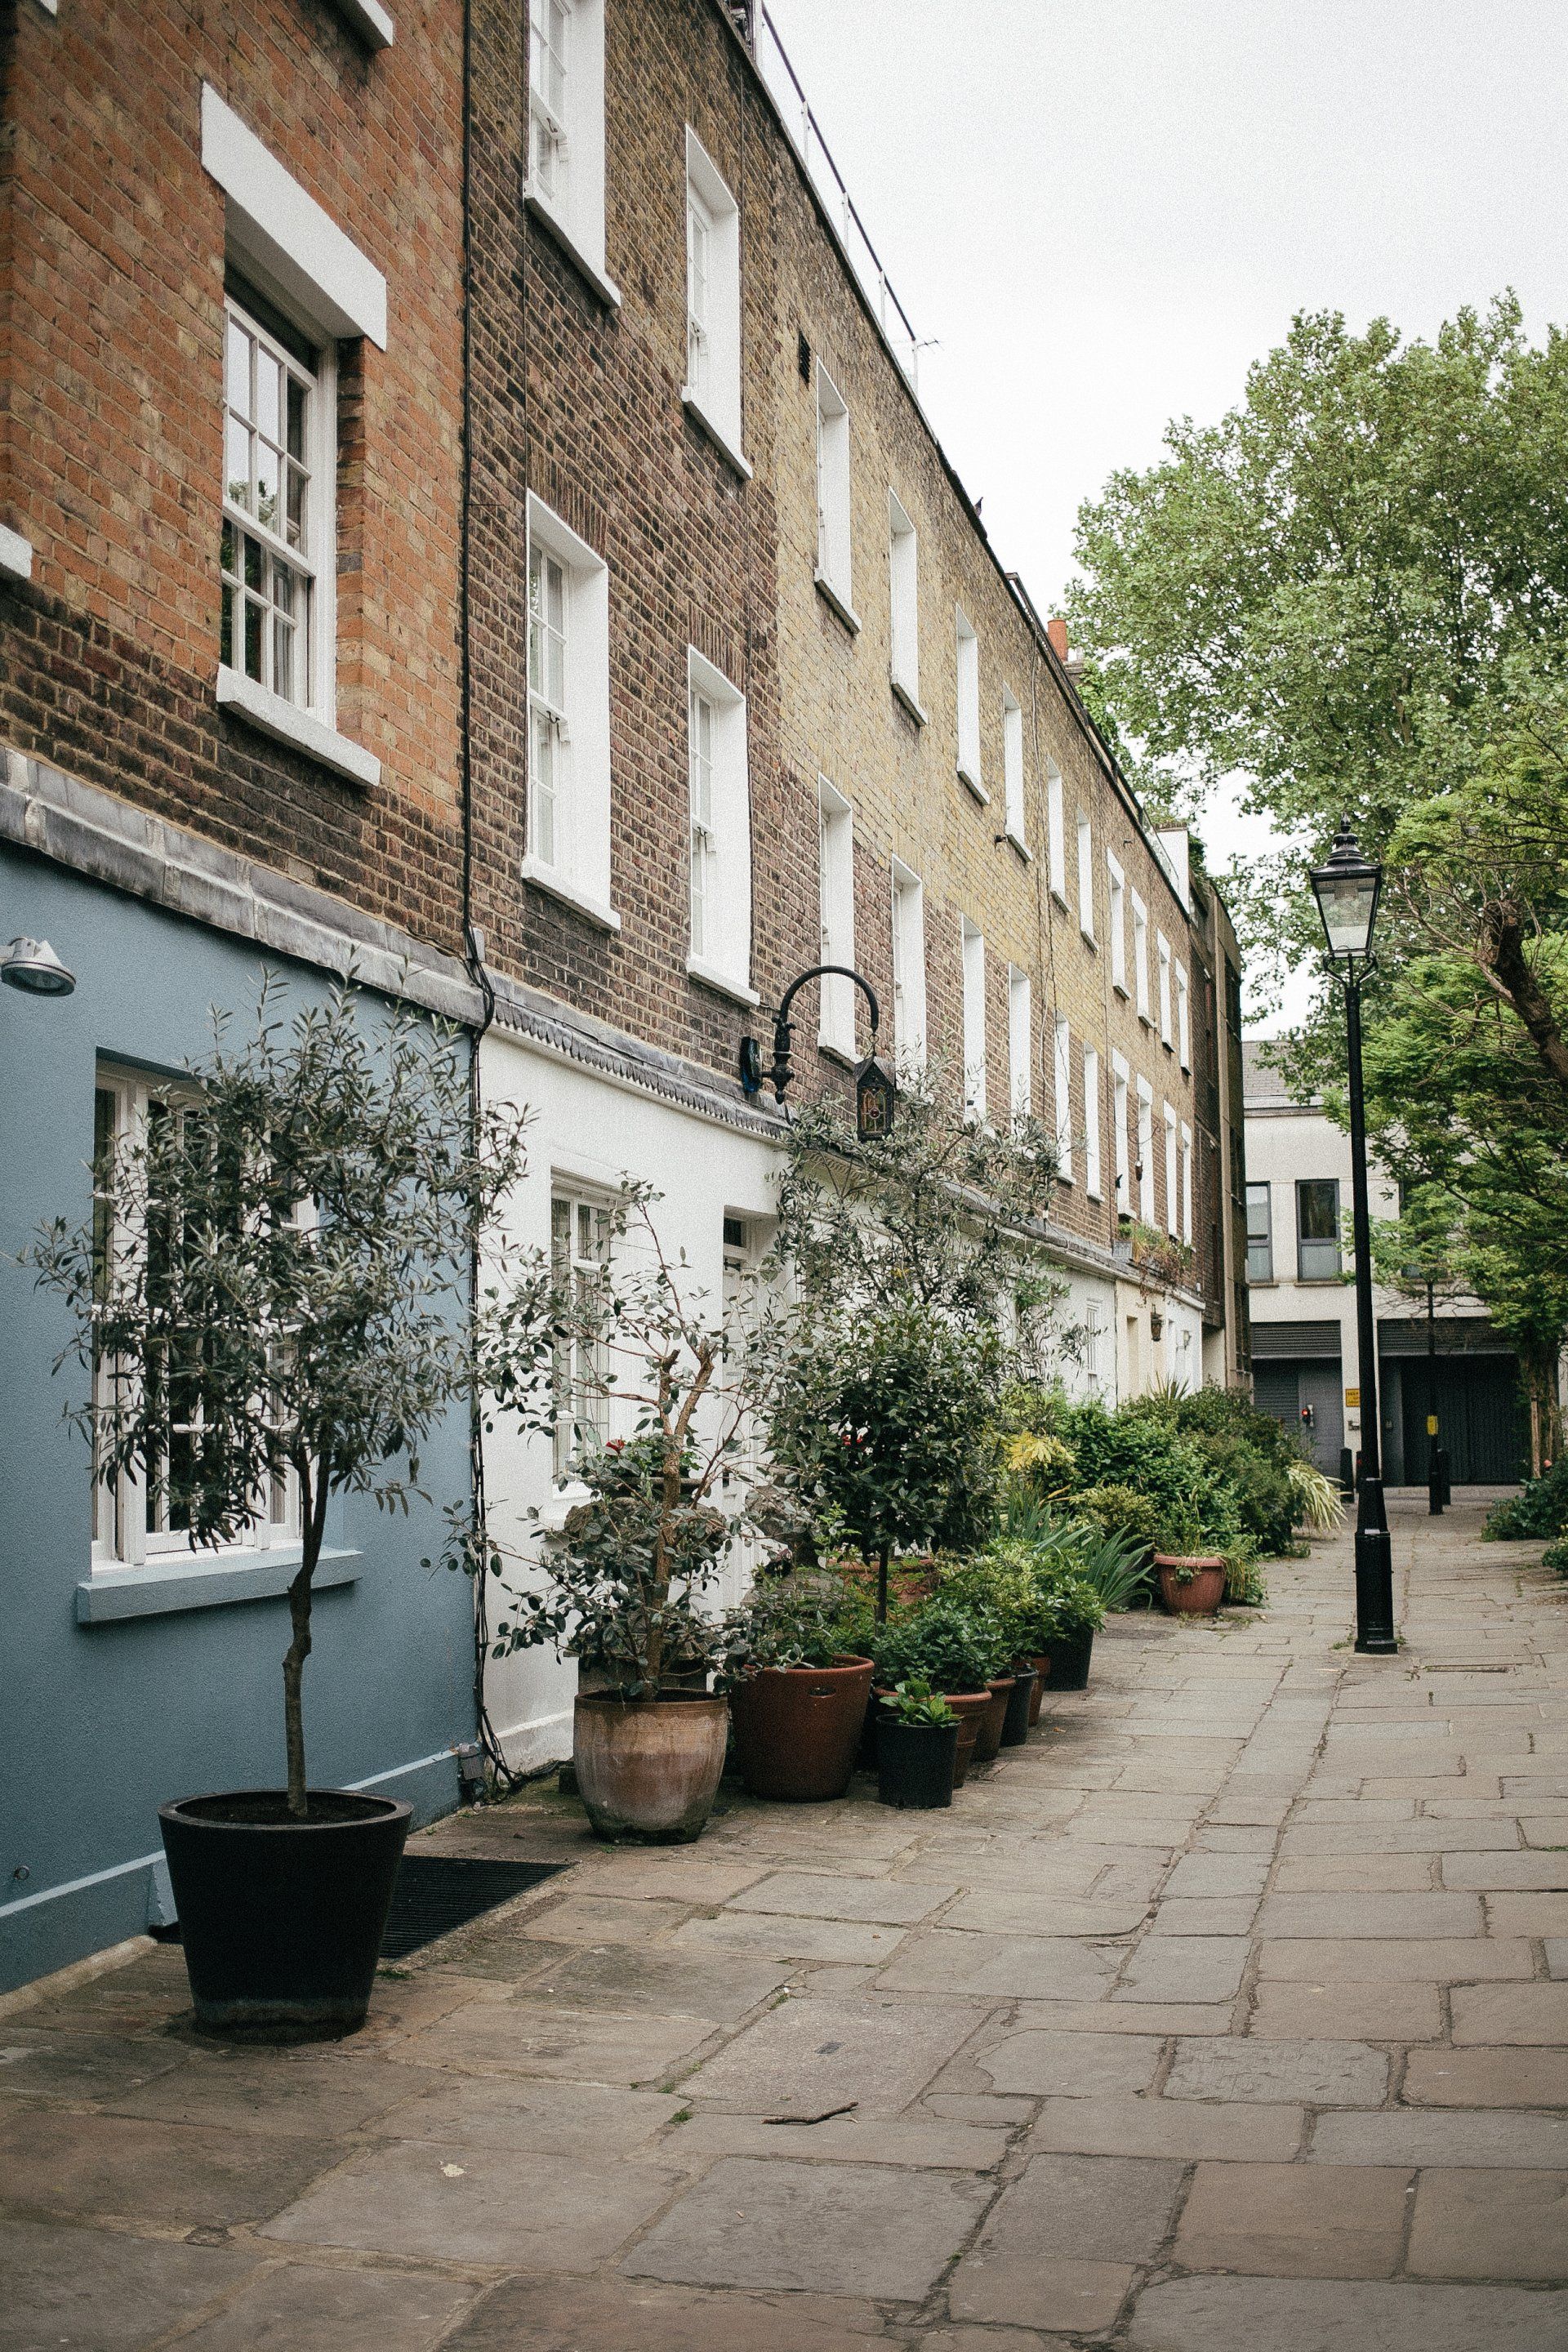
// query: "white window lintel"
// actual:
[[298, 244]]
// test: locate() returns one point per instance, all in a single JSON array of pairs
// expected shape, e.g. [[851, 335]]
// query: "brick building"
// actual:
[[462, 516], [785, 705], [231, 263]]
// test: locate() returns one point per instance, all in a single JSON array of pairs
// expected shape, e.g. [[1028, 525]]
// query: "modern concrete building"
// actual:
[[1303, 1313]]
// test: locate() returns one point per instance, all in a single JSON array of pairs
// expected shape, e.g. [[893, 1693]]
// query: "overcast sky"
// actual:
[[1103, 210]]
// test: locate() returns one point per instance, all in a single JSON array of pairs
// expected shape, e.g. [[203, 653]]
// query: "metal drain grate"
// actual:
[[1464, 1667], [436, 1891]]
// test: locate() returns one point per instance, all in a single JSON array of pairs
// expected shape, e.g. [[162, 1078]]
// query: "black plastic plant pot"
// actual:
[[914, 1763], [282, 1919], [1016, 1722], [1069, 1660]]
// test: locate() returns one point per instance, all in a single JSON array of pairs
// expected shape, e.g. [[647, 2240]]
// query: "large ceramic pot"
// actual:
[[988, 1738], [970, 1706], [281, 1919], [1070, 1654], [649, 1770], [1042, 1666], [797, 1729], [1190, 1584], [915, 1763]]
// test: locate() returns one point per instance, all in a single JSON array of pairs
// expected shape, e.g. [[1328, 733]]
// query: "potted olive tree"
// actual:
[[627, 1574], [275, 1289]]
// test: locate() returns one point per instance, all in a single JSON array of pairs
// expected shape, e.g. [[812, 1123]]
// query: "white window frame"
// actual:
[[311, 562], [1146, 1152], [1173, 1204], [121, 1535], [1186, 1185], [971, 949], [1141, 957], [571, 193], [719, 943], [1120, 1087], [904, 607], [909, 970], [966, 650], [1013, 770], [1184, 1019], [590, 1410], [713, 387], [1020, 1042], [1056, 834], [1163, 955], [835, 535], [836, 904], [1086, 877], [577, 868], [1117, 921], [1062, 1041], [1091, 1165]]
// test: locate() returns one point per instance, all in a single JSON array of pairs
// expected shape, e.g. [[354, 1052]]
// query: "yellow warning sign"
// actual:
[[1353, 1396]]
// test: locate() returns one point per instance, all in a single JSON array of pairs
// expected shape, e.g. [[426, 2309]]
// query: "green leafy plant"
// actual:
[[883, 1421], [951, 1647], [273, 1284], [1320, 1505], [1119, 1512], [800, 1620], [1075, 1607], [1007, 1586], [1540, 1508], [914, 1701], [1115, 1562]]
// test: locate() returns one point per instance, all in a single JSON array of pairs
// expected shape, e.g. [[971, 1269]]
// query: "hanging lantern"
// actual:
[[874, 1095]]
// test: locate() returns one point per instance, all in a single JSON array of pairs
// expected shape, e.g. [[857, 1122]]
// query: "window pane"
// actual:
[[1318, 1210], [236, 462], [252, 640], [237, 367], [269, 417]]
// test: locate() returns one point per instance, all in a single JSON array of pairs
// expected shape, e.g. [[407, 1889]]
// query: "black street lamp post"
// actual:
[[1346, 890], [1434, 1496]]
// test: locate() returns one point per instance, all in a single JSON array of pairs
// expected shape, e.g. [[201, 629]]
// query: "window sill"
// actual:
[[1146, 1017], [300, 729], [16, 554], [556, 884], [1089, 939], [1021, 846], [603, 288], [843, 1055], [972, 784], [722, 982], [370, 20], [1122, 991], [179, 1580], [836, 604], [906, 695], [1060, 895], [727, 444]]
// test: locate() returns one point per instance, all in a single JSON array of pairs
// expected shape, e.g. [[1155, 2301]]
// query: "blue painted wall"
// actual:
[[99, 1724]]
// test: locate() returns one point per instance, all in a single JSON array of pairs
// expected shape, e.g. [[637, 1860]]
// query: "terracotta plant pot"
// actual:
[[797, 1729], [650, 1768], [1016, 1722], [1070, 1654], [1042, 1666], [1204, 1589], [969, 1706], [988, 1738]]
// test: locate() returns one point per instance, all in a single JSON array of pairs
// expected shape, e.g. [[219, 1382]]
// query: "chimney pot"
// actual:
[[1056, 630]]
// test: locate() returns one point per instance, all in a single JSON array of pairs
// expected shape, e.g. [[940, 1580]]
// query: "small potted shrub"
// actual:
[[1078, 1613], [280, 1262], [1009, 1582], [799, 1705], [1191, 1579], [628, 1571], [917, 1746], [954, 1651]]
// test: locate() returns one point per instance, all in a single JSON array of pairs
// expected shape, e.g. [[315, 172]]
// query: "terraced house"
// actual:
[[466, 512]]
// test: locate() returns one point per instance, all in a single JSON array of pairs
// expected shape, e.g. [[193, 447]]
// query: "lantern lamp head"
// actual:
[[1346, 889], [875, 1096]]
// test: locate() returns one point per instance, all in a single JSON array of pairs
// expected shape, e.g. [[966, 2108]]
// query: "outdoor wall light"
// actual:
[[874, 1092], [33, 966]]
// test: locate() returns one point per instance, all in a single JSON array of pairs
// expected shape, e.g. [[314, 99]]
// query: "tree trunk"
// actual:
[[313, 1507], [882, 1560]]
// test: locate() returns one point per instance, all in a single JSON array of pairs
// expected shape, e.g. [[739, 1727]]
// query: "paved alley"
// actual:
[[1230, 2015]]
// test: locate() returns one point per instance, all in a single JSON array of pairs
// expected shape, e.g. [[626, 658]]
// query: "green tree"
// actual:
[[275, 1282]]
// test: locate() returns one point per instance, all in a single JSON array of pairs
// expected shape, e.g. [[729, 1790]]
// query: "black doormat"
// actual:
[[435, 1893]]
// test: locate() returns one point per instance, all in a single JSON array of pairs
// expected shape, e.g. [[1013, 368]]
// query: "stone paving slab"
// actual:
[[1228, 2013]]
